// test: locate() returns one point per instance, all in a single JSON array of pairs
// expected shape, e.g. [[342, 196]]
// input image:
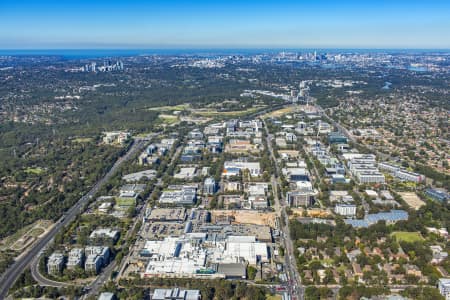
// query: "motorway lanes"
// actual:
[[13, 272]]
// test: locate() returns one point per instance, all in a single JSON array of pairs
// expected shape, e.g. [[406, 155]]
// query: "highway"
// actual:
[[31, 257], [14, 271]]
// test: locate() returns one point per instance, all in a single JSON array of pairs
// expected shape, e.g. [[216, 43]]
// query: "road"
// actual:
[[42, 280], [350, 136], [97, 284], [14, 271], [317, 176], [159, 182], [295, 287]]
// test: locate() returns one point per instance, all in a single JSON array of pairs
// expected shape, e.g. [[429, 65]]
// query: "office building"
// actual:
[[185, 195], [348, 210], [103, 252], [369, 176], [55, 263], [401, 173], [104, 234], [340, 196], [337, 138], [234, 168], [438, 194], [300, 198], [338, 178], [175, 294], [107, 296], [444, 287], [210, 186], [93, 264], [76, 258], [409, 176], [118, 137], [363, 168], [390, 217], [296, 174]]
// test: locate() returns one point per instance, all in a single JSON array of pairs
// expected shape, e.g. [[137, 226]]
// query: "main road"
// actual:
[[14, 271], [295, 286], [94, 288], [350, 136]]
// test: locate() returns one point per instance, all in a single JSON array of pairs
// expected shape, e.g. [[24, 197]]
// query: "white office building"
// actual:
[[238, 249], [93, 263], [233, 168], [55, 263], [444, 287], [369, 176], [401, 173], [98, 250], [175, 293], [185, 195], [210, 186], [388, 167], [105, 233], [409, 176], [76, 258], [348, 210], [363, 168]]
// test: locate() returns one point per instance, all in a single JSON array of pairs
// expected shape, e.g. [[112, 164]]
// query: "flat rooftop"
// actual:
[[167, 214]]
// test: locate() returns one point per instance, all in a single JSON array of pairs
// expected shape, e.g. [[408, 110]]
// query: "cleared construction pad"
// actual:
[[412, 199], [246, 217]]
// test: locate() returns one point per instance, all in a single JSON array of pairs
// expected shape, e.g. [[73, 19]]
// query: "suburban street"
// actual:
[[294, 286], [14, 271]]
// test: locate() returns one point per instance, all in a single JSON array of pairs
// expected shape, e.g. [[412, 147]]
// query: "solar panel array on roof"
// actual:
[[371, 219]]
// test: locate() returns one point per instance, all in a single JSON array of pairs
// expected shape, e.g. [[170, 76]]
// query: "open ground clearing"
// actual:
[[412, 199]]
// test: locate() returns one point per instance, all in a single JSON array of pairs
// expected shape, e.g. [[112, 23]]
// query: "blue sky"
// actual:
[[224, 24]]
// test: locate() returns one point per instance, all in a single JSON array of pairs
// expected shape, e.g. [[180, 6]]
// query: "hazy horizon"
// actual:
[[349, 24]]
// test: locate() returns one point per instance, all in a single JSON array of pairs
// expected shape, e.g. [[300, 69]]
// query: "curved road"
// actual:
[[43, 281], [14, 271]]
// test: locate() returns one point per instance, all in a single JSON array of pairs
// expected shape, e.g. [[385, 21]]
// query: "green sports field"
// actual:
[[410, 237]]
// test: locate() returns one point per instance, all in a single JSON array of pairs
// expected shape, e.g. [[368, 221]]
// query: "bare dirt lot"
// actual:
[[246, 217], [412, 199]]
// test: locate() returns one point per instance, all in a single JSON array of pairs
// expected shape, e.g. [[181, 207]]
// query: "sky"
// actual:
[[165, 24]]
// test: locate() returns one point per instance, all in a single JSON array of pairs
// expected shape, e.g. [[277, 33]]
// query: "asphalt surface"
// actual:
[[294, 286], [14, 271], [350, 136], [97, 284], [42, 280]]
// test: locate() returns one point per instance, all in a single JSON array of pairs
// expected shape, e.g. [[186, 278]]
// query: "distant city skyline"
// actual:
[[83, 24]]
